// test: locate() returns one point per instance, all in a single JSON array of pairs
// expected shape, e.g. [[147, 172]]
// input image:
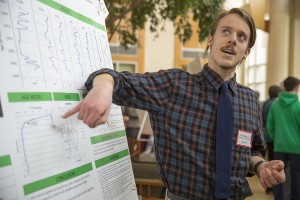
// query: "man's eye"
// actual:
[[242, 37], [226, 31]]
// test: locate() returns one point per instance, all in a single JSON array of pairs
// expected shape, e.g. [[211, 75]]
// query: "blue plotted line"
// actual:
[[106, 51], [72, 137], [98, 52], [23, 26], [50, 47], [30, 122], [62, 50], [77, 50], [88, 49]]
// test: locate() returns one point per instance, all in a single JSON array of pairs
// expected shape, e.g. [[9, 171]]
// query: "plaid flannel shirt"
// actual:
[[182, 110]]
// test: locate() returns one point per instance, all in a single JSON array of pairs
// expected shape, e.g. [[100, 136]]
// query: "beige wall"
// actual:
[[159, 52], [278, 55], [284, 41], [295, 39]]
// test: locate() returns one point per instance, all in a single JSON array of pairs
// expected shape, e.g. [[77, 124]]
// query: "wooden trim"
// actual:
[[149, 184]]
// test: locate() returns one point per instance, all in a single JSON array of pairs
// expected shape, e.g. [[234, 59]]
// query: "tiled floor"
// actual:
[[258, 191]]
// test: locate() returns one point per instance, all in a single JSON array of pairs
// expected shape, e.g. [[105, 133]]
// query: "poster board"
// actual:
[[47, 50]]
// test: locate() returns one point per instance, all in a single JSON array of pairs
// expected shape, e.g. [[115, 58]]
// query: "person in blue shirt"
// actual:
[[273, 95]]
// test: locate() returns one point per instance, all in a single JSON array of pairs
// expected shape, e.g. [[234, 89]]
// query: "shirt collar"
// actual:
[[216, 81]]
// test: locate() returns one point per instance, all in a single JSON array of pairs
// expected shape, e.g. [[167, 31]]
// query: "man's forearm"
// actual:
[[101, 79]]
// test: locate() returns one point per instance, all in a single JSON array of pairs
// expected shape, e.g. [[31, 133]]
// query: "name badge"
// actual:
[[244, 138]]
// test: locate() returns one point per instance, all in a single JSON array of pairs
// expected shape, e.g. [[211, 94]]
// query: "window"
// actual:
[[124, 66], [117, 49], [255, 75]]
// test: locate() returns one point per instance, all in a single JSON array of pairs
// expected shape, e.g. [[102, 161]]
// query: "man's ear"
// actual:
[[297, 89], [209, 40], [246, 53]]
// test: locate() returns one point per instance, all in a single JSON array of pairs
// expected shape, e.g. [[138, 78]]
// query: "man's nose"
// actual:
[[232, 39]]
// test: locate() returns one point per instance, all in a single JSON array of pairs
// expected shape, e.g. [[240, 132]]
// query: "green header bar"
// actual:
[[109, 159], [59, 96], [29, 96], [72, 13], [56, 179], [106, 137], [5, 161]]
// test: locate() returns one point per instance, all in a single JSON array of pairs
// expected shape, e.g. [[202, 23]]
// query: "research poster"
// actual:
[[47, 50]]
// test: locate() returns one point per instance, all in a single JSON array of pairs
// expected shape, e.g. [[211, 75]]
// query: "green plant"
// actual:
[[127, 16]]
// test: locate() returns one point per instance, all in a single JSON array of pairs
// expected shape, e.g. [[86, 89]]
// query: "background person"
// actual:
[[273, 95], [283, 127]]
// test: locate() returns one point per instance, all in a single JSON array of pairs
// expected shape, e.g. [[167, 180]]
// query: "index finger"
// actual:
[[72, 111], [280, 177]]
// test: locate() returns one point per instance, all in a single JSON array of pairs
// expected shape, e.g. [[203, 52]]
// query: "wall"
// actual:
[[159, 52]]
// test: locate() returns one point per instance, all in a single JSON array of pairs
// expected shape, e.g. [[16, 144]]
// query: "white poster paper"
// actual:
[[47, 50]]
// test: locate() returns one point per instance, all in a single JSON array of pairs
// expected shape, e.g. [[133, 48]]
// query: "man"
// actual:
[[183, 111], [283, 127]]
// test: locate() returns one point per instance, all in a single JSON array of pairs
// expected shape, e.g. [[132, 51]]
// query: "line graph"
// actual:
[[62, 48], [77, 53], [38, 145], [87, 47], [55, 49], [106, 51], [46, 143], [29, 55], [50, 46], [97, 51], [22, 22], [72, 136], [49, 52], [63, 51]]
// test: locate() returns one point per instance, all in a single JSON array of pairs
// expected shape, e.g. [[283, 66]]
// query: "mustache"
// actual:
[[229, 47]]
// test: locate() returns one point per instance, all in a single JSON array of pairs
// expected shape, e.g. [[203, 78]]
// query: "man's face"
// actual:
[[228, 46]]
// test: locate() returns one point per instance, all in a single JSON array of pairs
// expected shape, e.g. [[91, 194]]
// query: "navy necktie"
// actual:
[[223, 143]]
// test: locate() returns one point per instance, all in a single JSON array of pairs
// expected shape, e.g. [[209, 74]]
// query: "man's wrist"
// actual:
[[103, 78], [257, 165], [89, 84]]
